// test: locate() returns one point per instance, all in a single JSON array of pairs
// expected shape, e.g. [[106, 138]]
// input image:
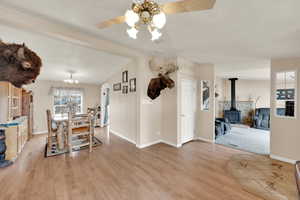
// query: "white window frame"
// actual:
[[296, 94], [63, 116]]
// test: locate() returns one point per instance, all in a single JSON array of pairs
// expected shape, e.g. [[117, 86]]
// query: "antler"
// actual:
[[164, 67], [171, 68]]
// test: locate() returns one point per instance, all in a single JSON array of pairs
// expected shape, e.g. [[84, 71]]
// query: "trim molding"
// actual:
[[121, 136], [40, 132], [275, 157], [206, 140], [148, 144], [171, 144]]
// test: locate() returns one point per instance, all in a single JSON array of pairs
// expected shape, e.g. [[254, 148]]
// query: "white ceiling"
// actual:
[[59, 57], [234, 33], [259, 70]]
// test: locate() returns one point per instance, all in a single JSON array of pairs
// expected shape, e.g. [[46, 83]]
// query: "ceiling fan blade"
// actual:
[[187, 6], [108, 23]]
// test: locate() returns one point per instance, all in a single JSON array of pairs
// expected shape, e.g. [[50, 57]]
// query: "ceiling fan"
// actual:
[[153, 15]]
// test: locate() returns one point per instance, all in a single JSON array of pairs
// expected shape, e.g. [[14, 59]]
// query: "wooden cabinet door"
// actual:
[[11, 140]]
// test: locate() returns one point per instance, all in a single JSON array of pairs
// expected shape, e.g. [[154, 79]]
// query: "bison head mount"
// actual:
[[18, 64], [163, 80]]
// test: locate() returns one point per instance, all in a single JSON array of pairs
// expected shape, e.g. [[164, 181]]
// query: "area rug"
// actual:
[[54, 151], [264, 177], [247, 139]]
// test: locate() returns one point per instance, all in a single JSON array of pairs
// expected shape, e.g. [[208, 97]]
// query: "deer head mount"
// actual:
[[164, 69], [18, 64]]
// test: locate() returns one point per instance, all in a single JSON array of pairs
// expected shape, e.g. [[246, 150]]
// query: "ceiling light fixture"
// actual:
[[71, 80], [146, 13]]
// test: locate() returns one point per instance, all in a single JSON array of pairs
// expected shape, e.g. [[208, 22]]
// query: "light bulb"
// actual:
[[132, 32], [155, 35], [131, 18], [159, 20]]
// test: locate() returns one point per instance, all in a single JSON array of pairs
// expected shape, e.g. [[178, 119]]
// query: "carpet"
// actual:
[[247, 139], [264, 177], [54, 151]]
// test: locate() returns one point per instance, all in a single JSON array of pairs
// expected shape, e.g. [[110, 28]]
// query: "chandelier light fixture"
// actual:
[[71, 80], [147, 13]]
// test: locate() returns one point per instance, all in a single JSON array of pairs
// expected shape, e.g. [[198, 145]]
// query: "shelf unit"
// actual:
[[10, 102]]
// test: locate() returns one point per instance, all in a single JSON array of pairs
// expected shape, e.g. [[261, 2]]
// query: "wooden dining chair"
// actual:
[[56, 131], [52, 128], [80, 131]]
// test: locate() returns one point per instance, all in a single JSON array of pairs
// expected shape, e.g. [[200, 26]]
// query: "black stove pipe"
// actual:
[[233, 95]]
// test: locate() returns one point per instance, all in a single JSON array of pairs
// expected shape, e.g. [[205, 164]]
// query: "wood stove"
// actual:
[[233, 115]]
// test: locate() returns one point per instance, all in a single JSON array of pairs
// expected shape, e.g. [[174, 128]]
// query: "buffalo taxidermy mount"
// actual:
[[18, 64], [163, 80]]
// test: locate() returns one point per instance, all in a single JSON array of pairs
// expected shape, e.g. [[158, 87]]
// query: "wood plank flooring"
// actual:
[[117, 170]]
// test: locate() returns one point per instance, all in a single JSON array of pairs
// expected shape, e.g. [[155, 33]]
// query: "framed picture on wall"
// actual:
[[125, 89], [117, 87], [132, 84], [125, 76], [205, 87]]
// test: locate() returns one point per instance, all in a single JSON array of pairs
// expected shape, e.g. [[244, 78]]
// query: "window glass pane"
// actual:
[[66, 101]]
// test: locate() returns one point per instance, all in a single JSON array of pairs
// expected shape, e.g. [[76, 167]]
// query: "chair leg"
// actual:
[[70, 142], [91, 142], [49, 141]]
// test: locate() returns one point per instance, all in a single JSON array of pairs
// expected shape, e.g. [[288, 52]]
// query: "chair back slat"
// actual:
[[80, 124]]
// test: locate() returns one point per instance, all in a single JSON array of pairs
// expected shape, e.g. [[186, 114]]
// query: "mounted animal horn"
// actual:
[[21, 54]]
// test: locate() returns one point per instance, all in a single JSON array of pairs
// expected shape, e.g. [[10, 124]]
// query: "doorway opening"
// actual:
[[243, 110]]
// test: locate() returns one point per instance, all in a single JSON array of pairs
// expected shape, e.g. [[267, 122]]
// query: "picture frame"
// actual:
[[125, 89], [125, 76], [117, 87], [205, 94], [132, 85]]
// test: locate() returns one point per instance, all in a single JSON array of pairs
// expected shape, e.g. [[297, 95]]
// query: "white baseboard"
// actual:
[[157, 142], [206, 140], [171, 144], [40, 132], [148, 144], [282, 159], [121, 136]]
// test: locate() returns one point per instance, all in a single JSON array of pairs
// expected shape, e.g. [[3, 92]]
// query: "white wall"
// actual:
[[43, 100], [206, 119], [123, 107], [149, 111], [249, 90], [134, 116], [169, 110], [285, 135]]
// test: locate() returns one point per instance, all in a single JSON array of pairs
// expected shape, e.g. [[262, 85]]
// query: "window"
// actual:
[[65, 100], [286, 94]]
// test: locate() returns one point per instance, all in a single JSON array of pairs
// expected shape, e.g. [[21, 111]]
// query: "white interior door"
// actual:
[[188, 109]]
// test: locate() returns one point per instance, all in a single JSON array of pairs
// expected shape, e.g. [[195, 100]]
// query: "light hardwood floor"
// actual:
[[117, 170]]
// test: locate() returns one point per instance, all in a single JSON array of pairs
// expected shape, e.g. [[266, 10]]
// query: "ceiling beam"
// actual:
[[31, 22]]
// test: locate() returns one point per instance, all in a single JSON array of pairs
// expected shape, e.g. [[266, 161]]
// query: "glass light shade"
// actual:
[[71, 81], [159, 20], [132, 32], [155, 34], [131, 18]]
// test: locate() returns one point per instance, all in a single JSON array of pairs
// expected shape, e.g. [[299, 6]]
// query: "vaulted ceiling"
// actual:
[[233, 32]]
